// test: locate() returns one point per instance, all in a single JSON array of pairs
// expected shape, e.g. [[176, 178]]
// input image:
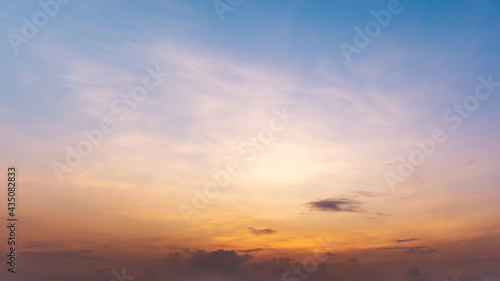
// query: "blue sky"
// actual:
[[434, 40]]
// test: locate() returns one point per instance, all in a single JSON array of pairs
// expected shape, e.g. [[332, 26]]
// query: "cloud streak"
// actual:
[[265, 231], [336, 205], [405, 240]]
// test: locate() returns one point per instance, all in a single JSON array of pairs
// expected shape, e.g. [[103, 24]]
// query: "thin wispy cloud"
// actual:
[[251, 250], [401, 248], [264, 231], [405, 240]]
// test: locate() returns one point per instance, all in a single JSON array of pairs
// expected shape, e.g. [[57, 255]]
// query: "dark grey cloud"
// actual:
[[401, 248], [251, 250], [262, 231], [405, 240], [336, 205], [273, 266], [219, 261]]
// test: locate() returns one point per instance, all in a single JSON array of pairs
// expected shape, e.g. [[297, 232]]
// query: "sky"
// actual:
[[251, 140]]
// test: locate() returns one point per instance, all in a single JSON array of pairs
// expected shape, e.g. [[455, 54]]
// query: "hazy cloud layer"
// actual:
[[229, 265]]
